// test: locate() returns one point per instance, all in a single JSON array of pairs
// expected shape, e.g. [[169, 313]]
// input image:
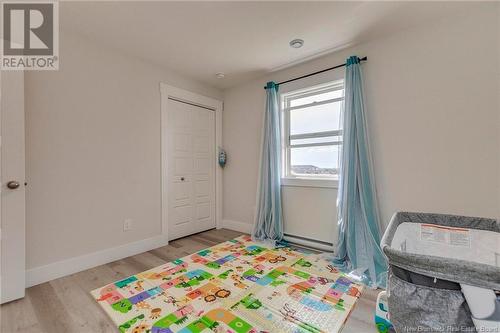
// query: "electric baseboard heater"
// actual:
[[309, 243]]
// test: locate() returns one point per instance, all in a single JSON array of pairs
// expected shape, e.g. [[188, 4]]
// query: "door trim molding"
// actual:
[[13, 201], [175, 93]]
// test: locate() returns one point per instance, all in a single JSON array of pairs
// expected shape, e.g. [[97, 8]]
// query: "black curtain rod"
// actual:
[[318, 72]]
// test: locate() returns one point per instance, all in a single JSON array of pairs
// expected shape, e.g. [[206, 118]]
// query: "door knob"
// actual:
[[182, 178], [13, 184]]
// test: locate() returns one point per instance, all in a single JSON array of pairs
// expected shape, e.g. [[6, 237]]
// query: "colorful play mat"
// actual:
[[237, 286]]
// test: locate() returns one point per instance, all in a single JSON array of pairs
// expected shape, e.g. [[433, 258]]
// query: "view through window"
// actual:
[[312, 127]]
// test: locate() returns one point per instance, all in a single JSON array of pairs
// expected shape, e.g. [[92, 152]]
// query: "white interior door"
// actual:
[[191, 172], [12, 273]]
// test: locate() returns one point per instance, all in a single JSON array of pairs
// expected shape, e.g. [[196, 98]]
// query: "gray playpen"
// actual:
[[426, 292]]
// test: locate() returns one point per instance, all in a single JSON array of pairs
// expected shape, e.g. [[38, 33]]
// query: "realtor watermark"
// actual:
[[30, 35], [449, 329]]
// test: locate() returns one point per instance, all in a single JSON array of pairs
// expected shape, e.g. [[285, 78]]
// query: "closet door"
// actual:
[[191, 173]]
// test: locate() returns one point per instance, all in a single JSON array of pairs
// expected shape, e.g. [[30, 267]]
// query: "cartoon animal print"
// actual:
[[171, 300], [303, 263], [332, 269], [289, 251], [210, 298], [107, 297], [125, 326], [143, 305], [138, 286], [277, 259], [155, 313], [110, 295], [122, 306], [221, 293], [237, 281], [353, 291], [140, 328], [322, 281], [225, 275], [209, 292], [197, 258]]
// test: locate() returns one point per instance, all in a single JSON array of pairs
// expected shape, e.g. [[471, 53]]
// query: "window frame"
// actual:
[[286, 97]]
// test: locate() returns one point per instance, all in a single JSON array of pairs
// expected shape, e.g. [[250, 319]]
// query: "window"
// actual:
[[312, 128]]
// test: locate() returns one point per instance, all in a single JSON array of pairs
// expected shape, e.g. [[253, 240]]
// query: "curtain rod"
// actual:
[[318, 72]]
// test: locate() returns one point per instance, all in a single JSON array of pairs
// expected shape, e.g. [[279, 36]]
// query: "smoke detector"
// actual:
[[297, 43], [220, 75]]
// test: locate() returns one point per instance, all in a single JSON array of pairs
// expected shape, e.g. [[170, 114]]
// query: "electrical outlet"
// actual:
[[127, 225]]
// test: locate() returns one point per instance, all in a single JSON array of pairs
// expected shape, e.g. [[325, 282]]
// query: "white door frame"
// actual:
[[13, 201], [167, 92]]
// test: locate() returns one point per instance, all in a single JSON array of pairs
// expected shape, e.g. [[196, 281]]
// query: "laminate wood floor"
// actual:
[[65, 306]]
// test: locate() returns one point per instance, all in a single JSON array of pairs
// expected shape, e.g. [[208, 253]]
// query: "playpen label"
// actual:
[[445, 235]]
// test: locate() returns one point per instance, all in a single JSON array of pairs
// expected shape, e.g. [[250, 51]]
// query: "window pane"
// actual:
[[317, 98], [318, 118], [314, 161], [315, 140]]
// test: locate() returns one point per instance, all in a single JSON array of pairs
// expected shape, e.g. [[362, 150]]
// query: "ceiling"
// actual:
[[242, 39]]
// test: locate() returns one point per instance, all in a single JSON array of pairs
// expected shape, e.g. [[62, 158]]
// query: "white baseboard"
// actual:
[[66, 267], [237, 226]]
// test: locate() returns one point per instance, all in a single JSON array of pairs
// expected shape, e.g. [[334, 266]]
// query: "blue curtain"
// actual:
[[358, 246], [269, 217]]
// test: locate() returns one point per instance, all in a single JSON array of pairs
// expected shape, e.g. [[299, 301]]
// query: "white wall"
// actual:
[[93, 151], [432, 103]]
